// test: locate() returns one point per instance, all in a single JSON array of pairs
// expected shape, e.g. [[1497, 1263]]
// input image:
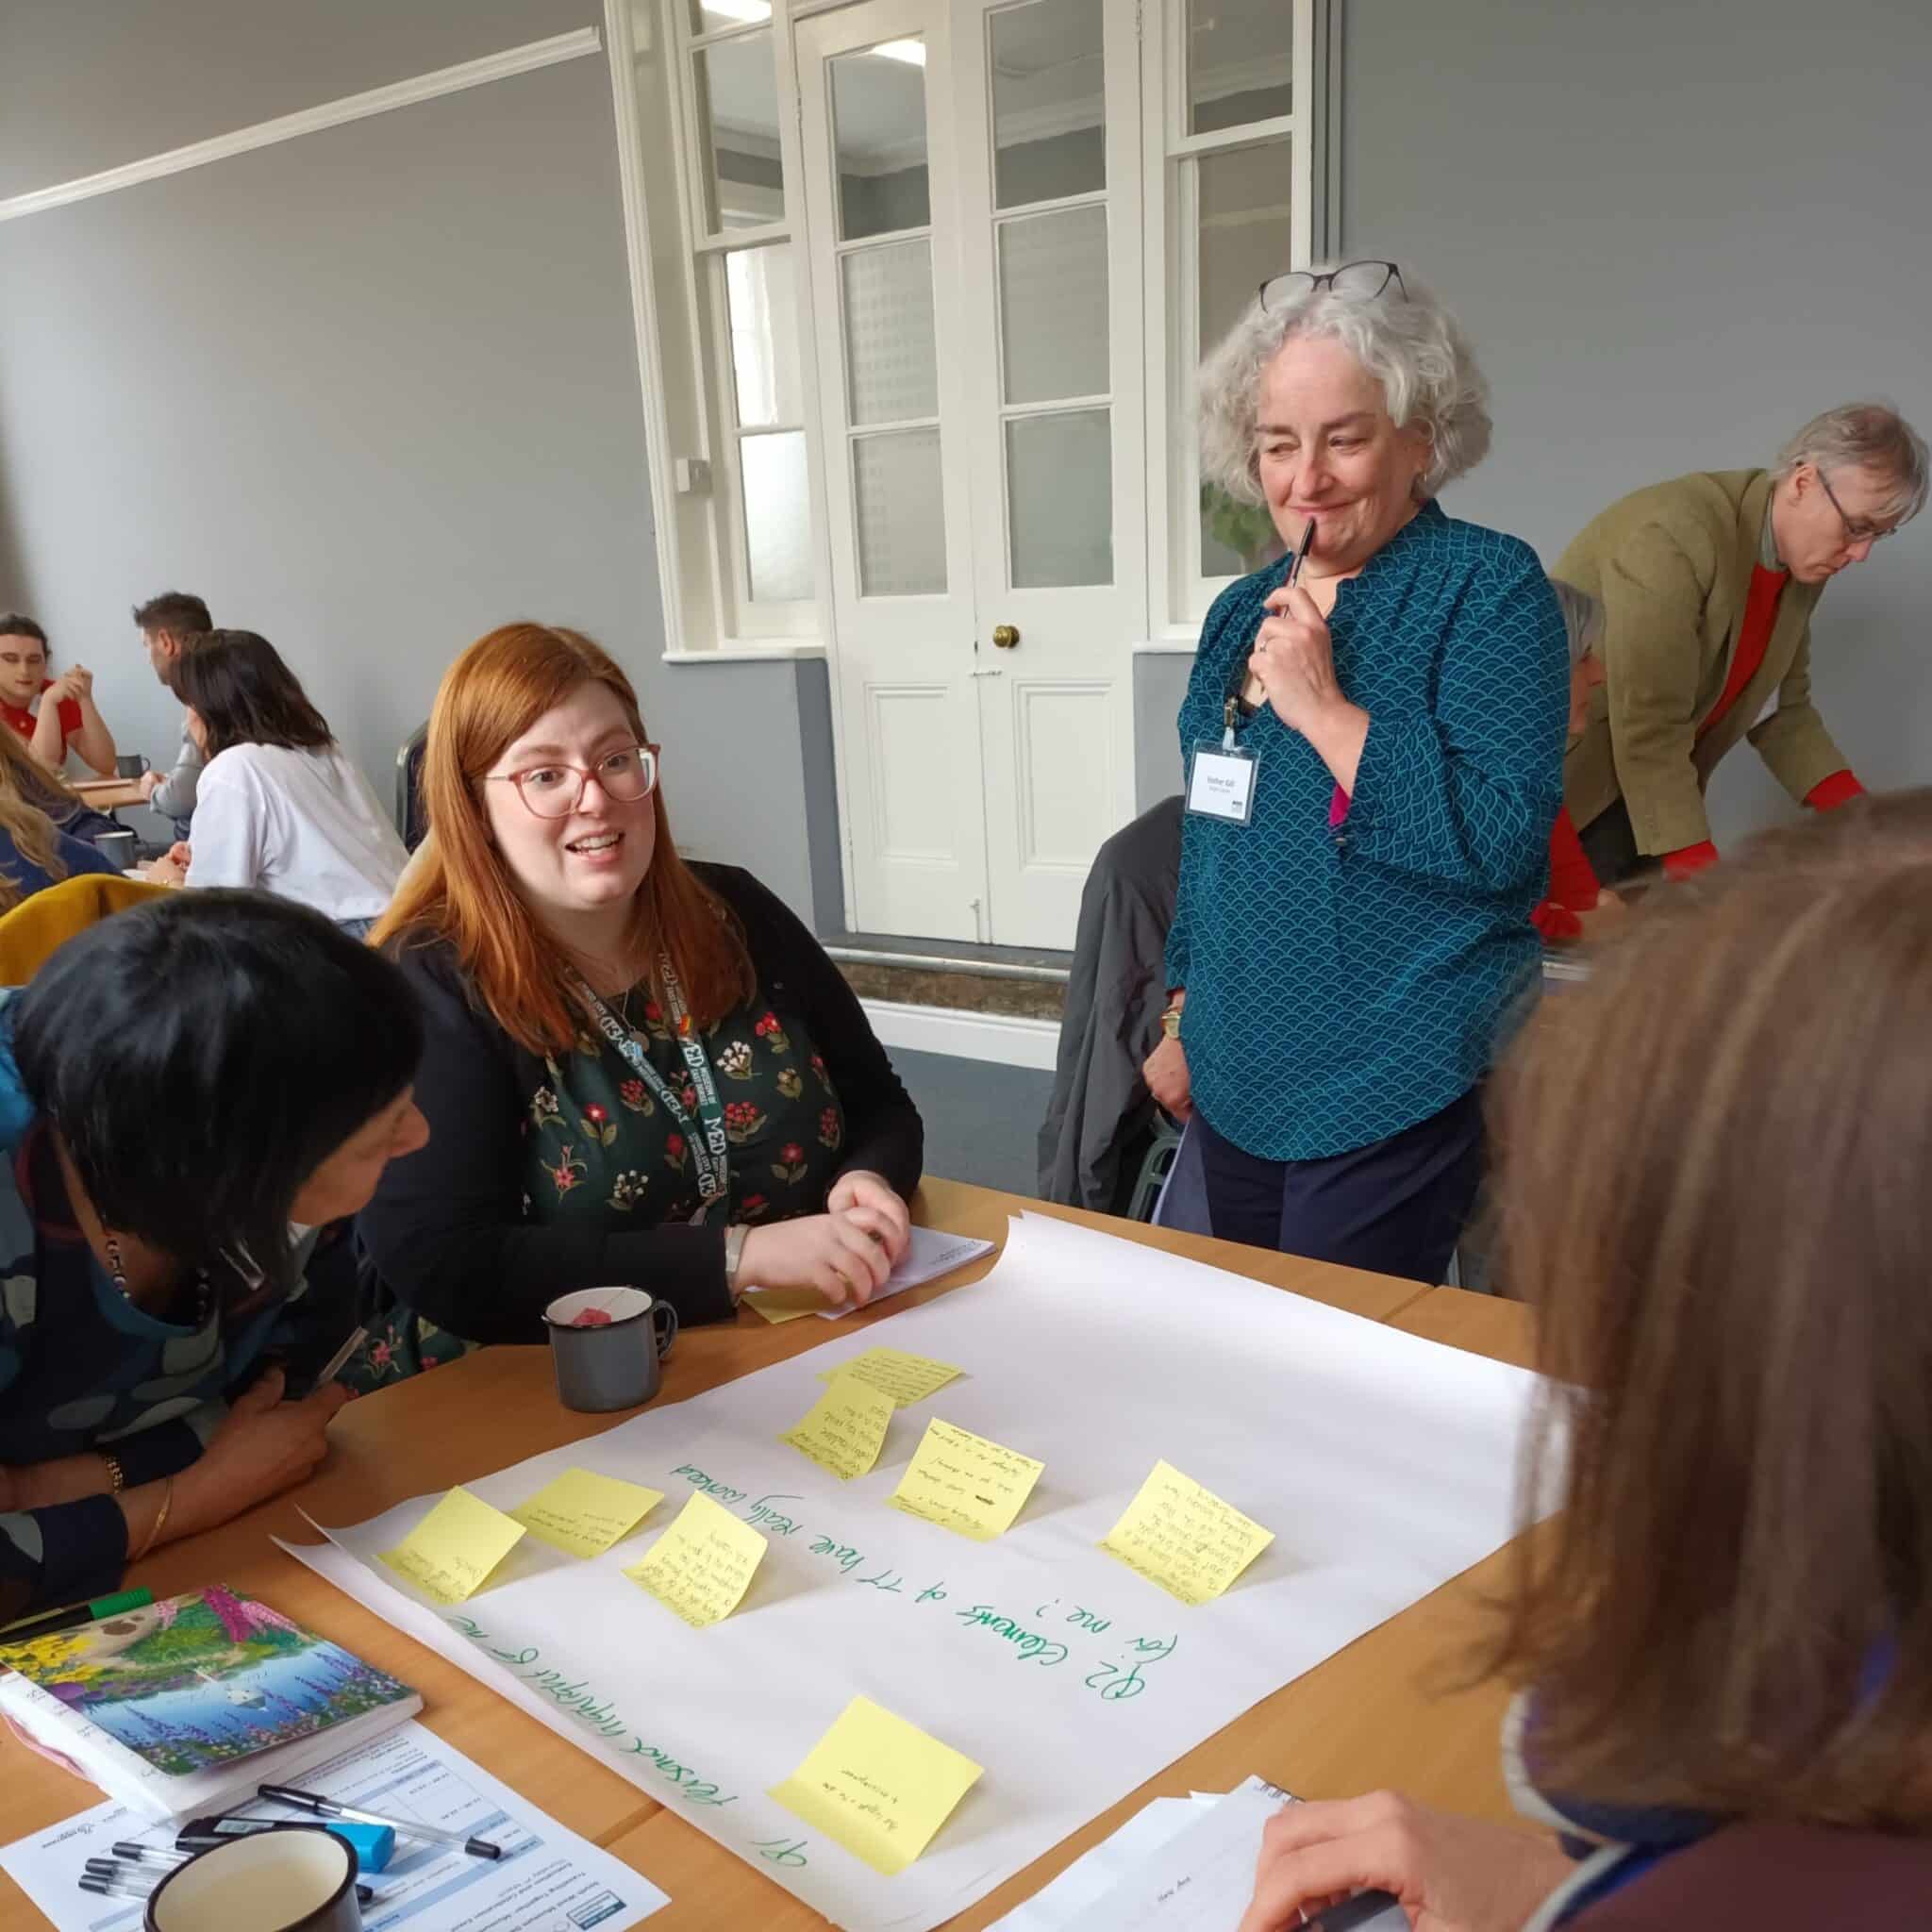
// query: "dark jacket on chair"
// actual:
[[1100, 1114]]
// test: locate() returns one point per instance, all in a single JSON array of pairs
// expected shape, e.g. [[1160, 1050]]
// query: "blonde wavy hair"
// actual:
[[25, 789]]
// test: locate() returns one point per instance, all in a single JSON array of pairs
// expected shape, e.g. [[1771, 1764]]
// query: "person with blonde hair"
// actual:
[[34, 851], [1374, 744], [640, 1071], [1726, 1635], [1708, 585]]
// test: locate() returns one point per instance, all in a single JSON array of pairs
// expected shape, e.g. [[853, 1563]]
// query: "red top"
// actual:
[[1760, 614], [22, 720], [1573, 886]]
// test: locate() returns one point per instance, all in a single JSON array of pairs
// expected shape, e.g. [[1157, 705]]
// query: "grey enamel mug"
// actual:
[[296, 1878], [607, 1344], [131, 764]]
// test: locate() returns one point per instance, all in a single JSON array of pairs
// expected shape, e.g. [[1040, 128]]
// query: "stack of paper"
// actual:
[[1180, 1865]]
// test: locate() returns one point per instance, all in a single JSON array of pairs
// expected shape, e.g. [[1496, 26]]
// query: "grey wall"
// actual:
[[1674, 233], [370, 392]]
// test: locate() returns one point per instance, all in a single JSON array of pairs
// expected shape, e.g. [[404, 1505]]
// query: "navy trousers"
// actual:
[[1395, 1206]]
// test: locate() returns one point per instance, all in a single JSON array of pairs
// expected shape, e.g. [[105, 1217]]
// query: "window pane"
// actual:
[[712, 16], [1059, 499], [1240, 62], [878, 139], [891, 367], [764, 307], [1053, 304], [1246, 236], [901, 512], [1047, 102], [778, 516], [738, 121]]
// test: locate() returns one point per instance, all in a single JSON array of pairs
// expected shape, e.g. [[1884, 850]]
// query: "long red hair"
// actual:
[[461, 890]]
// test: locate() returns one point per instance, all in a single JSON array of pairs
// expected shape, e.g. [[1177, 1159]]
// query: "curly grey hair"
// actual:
[[1871, 435], [1413, 347]]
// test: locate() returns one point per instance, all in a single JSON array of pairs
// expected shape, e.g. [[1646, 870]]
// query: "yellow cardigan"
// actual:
[[1671, 567]]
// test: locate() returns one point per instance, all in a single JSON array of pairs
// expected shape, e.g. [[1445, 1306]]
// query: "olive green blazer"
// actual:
[[1671, 567]]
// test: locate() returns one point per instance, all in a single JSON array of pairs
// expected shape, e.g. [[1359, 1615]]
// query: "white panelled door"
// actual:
[[974, 209]]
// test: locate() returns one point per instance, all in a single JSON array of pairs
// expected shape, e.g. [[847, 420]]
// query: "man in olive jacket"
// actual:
[[1708, 584]]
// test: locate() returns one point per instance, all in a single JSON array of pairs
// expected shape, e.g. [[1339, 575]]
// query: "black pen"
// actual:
[[145, 1855], [328, 1807], [1301, 555]]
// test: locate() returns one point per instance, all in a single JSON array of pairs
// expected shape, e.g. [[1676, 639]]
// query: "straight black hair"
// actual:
[[244, 693], [201, 1056]]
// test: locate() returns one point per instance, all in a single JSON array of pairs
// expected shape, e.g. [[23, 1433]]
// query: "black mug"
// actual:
[[131, 764], [295, 1878]]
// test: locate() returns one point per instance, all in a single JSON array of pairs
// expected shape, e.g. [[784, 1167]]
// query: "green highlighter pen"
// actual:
[[75, 1616]]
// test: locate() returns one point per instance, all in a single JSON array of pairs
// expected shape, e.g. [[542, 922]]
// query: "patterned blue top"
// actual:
[[81, 1368], [1343, 985]]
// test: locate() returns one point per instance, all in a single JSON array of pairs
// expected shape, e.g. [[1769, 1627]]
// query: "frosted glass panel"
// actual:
[[762, 301], [1240, 62], [878, 139], [892, 370], [1059, 499], [1247, 235], [714, 16], [737, 129], [778, 516], [1048, 102], [901, 512], [1053, 304]]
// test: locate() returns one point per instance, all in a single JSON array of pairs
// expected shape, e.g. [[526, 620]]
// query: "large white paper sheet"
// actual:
[[548, 1879], [1384, 1464]]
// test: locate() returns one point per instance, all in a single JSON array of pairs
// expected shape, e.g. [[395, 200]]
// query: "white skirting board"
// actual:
[[999, 1036]]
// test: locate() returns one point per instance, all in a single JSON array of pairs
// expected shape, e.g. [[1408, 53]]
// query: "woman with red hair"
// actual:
[[639, 1071]]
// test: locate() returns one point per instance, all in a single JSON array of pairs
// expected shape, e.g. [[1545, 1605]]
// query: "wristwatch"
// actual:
[[734, 1259], [1170, 1023]]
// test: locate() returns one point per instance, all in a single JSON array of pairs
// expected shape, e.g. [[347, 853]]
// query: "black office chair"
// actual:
[[413, 815]]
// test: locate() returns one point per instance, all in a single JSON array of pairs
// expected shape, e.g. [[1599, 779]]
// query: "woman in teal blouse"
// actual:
[[1342, 957]]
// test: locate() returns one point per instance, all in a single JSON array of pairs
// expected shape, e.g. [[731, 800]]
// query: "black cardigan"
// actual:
[[446, 1229]]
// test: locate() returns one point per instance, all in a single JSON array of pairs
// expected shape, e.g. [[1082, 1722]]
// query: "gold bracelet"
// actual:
[[117, 1477], [154, 1536]]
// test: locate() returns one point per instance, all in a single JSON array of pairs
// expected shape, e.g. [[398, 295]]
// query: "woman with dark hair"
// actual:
[[277, 806], [638, 1071], [179, 1086], [1726, 1635]]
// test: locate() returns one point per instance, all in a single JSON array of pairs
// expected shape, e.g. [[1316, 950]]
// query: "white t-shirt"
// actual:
[[303, 823]]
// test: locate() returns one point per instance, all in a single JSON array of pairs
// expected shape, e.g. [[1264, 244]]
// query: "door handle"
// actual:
[[1004, 636]]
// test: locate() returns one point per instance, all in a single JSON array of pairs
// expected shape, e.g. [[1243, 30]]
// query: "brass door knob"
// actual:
[[1004, 636]]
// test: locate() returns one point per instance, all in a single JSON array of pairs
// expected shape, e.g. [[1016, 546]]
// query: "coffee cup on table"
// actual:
[[117, 847], [131, 764], [295, 1878], [606, 1345]]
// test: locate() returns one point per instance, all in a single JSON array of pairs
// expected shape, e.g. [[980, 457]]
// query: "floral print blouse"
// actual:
[[601, 1147]]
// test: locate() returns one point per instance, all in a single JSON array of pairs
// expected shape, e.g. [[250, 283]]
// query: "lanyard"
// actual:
[[706, 1137]]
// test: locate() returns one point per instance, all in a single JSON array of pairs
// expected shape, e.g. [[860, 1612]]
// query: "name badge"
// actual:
[[1220, 782]]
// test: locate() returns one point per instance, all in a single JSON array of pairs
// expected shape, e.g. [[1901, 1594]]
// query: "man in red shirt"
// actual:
[[67, 717], [1708, 584]]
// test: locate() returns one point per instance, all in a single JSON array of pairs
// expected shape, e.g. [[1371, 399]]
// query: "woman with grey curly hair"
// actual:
[[1373, 733]]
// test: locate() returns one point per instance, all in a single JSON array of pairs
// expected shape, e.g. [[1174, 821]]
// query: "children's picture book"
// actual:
[[186, 1706]]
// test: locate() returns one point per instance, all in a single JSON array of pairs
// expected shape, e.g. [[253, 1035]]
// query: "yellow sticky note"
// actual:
[[844, 1429], [906, 1378], [1185, 1537], [877, 1785], [583, 1513], [453, 1550], [783, 1304], [702, 1566], [965, 1482]]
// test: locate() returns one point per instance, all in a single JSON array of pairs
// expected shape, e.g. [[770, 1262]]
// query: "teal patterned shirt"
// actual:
[[1344, 983]]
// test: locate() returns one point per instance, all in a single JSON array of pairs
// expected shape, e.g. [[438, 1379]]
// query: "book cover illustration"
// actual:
[[201, 1680]]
